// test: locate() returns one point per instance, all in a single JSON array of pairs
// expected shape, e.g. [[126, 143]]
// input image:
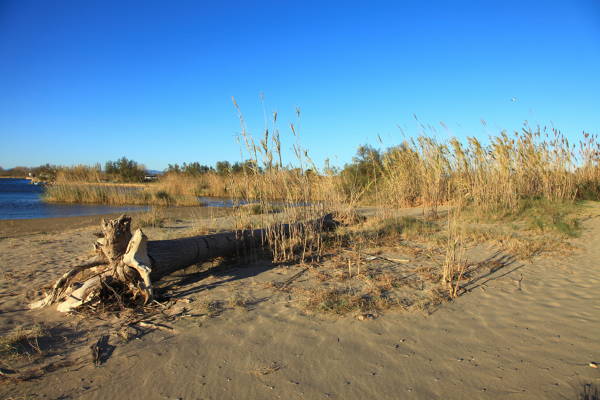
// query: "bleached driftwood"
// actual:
[[136, 262]]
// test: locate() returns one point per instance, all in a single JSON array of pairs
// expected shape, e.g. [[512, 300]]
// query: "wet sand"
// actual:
[[12, 228]]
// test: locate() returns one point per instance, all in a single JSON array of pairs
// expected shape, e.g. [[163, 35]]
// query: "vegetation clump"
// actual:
[[21, 341]]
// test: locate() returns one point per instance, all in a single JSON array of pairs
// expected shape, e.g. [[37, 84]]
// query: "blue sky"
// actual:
[[90, 81]]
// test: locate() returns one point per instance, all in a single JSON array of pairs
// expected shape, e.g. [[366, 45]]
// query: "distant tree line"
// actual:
[[221, 168], [125, 170], [44, 172], [365, 167]]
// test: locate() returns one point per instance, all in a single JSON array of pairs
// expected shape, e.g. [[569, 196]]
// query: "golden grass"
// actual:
[[79, 173], [532, 164], [455, 263], [167, 193], [298, 196], [153, 218], [493, 179]]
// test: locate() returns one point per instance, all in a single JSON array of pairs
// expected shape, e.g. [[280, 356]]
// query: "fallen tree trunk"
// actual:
[[135, 262], [168, 256]]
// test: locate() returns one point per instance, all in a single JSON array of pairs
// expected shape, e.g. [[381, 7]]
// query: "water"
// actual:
[[221, 202], [21, 200]]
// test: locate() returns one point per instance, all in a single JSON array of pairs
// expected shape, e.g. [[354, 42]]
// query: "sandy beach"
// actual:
[[528, 331]]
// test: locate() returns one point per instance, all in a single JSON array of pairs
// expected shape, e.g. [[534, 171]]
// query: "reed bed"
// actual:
[[299, 191], [177, 189], [493, 179], [159, 194]]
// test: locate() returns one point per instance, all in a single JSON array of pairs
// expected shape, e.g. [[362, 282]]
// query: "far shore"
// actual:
[[78, 183], [123, 184]]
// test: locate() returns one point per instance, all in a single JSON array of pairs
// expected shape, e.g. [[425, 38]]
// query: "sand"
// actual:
[[503, 340]]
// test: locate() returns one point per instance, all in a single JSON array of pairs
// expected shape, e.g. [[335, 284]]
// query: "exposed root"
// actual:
[[136, 257], [82, 295], [120, 253], [62, 284]]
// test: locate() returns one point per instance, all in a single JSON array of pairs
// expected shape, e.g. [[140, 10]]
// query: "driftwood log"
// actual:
[[134, 262]]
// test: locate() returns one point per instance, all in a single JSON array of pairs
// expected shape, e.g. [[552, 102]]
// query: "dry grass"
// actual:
[[455, 262], [80, 173], [240, 301], [371, 290], [346, 300], [21, 342], [432, 266], [160, 194], [281, 196], [212, 308], [154, 218], [532, 164], [493, 179], [533, 228]]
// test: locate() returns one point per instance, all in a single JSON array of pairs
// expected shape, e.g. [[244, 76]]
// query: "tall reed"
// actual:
[[298, 191], [533, 163]]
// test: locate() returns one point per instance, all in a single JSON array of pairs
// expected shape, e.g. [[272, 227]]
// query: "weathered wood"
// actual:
[[60, 286], [136, 257], [116, 237], [171, 255], [137, 262], [168, 256]]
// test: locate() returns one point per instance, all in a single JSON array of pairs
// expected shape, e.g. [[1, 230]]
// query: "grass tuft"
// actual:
[[22, 341]]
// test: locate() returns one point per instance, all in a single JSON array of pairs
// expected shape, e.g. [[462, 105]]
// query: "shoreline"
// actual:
[[18, 177], [118, 184], [11, 228]]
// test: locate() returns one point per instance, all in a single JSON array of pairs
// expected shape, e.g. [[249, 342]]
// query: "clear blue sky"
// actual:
[[89, 81]]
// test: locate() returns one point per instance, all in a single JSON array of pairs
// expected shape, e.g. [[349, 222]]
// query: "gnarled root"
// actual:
[[121, 254], [62, 284]]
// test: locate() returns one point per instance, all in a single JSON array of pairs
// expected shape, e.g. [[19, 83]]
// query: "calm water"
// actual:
[[21, 200], [220, 202]]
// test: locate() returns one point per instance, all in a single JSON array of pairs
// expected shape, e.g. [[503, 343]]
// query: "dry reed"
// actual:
[[532, 164]]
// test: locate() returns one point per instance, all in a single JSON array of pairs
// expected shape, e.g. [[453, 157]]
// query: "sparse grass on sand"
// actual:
[[417, 263], [21, 342], [153, 218]]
